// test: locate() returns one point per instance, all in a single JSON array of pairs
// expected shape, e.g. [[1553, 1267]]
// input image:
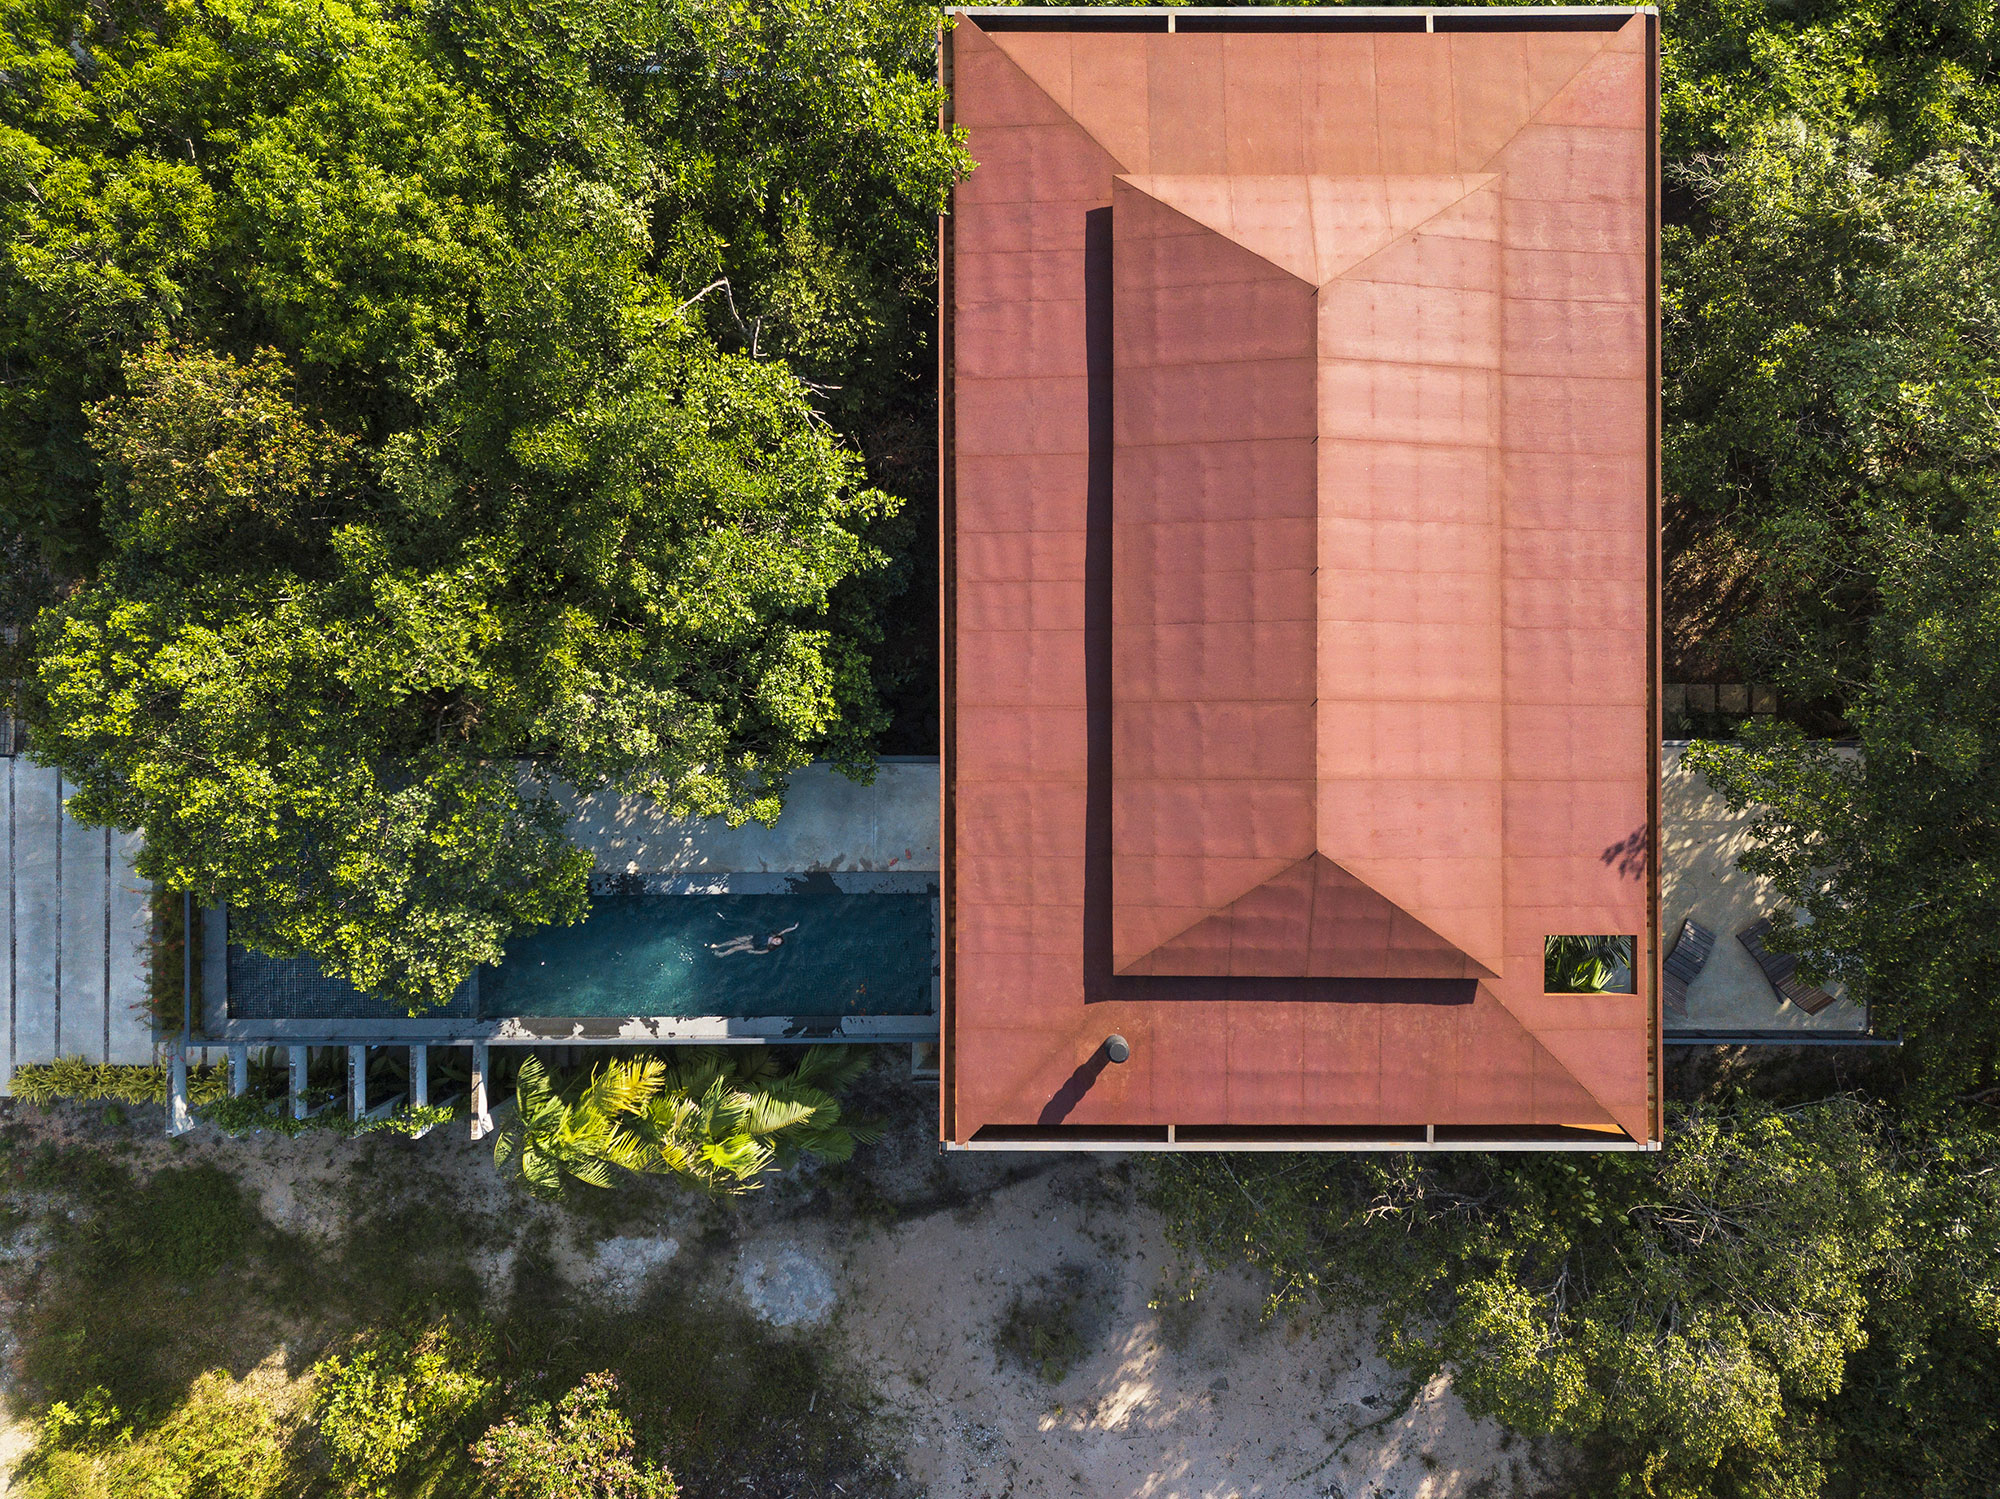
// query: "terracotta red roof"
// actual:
[[1300, 588]]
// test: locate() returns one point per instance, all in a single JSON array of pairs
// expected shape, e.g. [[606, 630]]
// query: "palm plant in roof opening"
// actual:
[[716, 1116], [1587, 965]]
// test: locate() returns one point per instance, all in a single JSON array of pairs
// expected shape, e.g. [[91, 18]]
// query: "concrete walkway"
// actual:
[[829, 823], [74, 931]]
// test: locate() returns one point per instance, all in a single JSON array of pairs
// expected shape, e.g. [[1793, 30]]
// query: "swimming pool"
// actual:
[[649, 953], [858, 945]]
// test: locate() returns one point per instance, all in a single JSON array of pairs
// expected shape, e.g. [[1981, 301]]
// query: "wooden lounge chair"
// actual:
[[1781, 969], [1689, 957]]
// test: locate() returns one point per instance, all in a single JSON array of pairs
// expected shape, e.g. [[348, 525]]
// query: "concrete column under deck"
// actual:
[[482, 1119]]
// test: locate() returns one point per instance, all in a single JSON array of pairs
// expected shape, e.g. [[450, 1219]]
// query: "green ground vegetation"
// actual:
[[76, 1080], [176, 1342], [82, 1080]]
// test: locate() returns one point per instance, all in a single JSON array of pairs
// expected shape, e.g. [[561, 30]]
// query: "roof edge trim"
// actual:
[[1088, 12], [1208, 18], [1375, 1140]]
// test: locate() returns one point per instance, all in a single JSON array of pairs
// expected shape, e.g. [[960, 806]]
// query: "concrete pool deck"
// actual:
[[830, 823], [1701, 842]]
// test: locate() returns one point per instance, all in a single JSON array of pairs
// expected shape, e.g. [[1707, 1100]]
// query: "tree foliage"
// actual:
[[1831, 444], [1894, 855], [1831, 329], [435, 401], [1691, 1323]]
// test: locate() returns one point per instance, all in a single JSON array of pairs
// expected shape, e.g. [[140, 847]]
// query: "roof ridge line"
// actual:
[[1138, 181], [1536, 1035], [1134, 181], [1063, 109], [1406, 911], [1549, 103], [1210, 915], [1486, 180], [1394, 905], [1534, 1038]]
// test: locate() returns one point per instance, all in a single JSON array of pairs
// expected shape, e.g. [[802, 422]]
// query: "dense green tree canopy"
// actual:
[[1832, 363], [432, 401], [1894, 857], [1833, 441]]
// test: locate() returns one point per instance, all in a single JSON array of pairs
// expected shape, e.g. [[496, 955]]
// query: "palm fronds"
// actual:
[[717, 1116], [1585, 965], [575, 1131]]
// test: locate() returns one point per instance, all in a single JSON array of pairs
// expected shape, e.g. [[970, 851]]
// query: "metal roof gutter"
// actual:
[[1103, 1146], [1523, 17]]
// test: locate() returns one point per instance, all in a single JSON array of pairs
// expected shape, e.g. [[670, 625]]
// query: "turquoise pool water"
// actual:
[[649, 953]]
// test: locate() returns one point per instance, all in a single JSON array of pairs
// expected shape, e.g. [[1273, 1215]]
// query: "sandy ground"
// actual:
[[917, 1266], [1169, 1400]]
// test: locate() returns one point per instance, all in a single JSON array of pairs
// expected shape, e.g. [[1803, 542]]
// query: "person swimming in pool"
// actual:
[[748, 943]]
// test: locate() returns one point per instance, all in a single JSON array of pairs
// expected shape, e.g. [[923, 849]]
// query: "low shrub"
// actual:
[[395, 1401], [44, 1083], [1046, 1327], [236, 1116], [78, 1080], [585, 1452]]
